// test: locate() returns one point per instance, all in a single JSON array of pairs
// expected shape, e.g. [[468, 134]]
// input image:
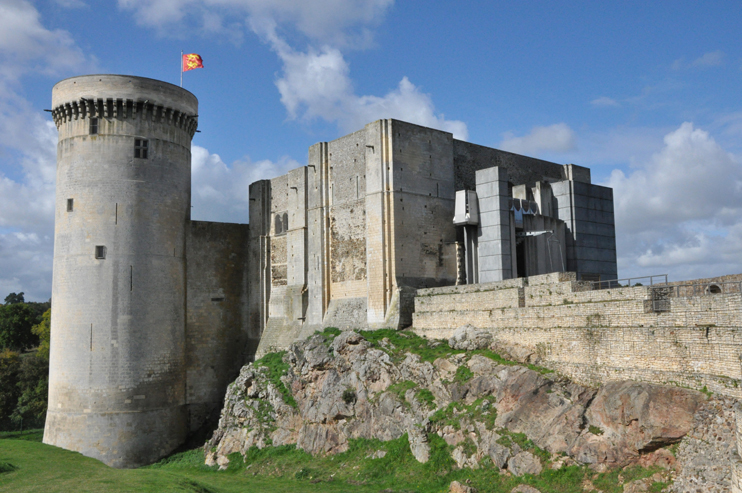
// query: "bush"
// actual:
[[349, 396]]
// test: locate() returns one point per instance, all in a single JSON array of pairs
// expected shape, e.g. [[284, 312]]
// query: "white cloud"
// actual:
[[681, 211], [338, 22], [28, 147], [220, 192], [554, 138], [710, 59], [604, 101], [317, 84]]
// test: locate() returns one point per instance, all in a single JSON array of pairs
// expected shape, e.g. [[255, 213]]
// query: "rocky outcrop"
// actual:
[[332, 388]]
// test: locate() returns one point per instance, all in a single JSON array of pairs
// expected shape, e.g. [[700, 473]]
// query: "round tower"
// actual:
[[117, 374]]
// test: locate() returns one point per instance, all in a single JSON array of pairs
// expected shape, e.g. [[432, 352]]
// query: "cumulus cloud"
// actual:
[[710, 59], [681, 211], [554, 138], [219, 192], [604, 101], [28, 147], [315, 82]]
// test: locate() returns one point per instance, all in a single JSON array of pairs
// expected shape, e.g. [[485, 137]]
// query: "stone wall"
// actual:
[[217, 342], [598, 335]]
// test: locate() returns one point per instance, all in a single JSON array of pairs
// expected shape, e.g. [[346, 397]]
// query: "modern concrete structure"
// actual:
[[346, 240], [154, 314]]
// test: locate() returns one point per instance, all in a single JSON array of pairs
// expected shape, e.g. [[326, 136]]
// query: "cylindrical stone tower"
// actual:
[[117, 364]]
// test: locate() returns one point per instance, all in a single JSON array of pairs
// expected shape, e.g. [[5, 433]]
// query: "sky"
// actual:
[[646, 94]]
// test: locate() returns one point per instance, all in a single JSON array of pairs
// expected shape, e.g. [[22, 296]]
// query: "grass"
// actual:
[[277, 368], [29, 466], [406, 341]]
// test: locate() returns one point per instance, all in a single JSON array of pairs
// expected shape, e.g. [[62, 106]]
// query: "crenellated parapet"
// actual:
[[123, 109]]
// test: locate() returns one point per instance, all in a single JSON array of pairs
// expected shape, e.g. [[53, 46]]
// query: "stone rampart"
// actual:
[[594, 336]]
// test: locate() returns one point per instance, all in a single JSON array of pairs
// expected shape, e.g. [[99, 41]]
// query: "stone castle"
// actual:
[[395, 224]]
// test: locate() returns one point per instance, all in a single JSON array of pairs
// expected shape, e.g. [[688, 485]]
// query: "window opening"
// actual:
[[140, 148], [279, 224], [93, 126], [285, 222], [100, 252], [70, 205]]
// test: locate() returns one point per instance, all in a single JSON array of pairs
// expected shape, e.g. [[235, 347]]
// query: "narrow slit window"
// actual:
[[70, 205], [141, 147], [93, 126], [100, 252]]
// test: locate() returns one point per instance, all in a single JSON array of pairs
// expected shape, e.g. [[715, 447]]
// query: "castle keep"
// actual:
[[154, 313]]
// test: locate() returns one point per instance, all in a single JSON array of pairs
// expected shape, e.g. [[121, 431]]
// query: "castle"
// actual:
[[154, 313]]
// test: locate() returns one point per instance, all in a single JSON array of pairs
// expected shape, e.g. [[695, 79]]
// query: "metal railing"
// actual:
[[661, 295], [625, 283]]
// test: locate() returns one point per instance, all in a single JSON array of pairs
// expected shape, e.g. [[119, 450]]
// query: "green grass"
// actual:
[[400, 388], [31, 435], [277, 368], [29, 466]]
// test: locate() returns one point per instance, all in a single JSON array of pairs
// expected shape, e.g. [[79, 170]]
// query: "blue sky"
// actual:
[[646, 94]]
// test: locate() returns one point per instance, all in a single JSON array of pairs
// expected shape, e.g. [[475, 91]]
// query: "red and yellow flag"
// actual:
[[191, 61]]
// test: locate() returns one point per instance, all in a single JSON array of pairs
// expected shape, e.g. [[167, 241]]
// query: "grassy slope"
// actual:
[[29, 466]]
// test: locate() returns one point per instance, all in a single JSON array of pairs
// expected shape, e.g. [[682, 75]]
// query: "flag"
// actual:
[[191, 61]]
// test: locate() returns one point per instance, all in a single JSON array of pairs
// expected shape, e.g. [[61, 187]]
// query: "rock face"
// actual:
[[332, 388]]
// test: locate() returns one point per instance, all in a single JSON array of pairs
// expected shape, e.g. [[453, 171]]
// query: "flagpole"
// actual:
[[181, 68]]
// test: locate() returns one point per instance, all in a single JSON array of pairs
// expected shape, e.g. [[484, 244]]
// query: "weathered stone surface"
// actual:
[[345, 388], [457, 487], [419, 444], [706, 455], [524, 488], [499, 454], [469, 337], [524, 463], [635, 418]]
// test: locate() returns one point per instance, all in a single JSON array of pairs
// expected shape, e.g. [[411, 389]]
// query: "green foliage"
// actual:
[[277, 368], [408, 342], [43, 331], [447, 416], [16, 321], [349, 396], [284, 469], [14, 298], [595, 430], [400, 388], [331, 332], [508, 438], [500, 360], [33, 386], [463, 374], [10, 366], [6, 467], [609, 481], [426, 398], [31, 435]]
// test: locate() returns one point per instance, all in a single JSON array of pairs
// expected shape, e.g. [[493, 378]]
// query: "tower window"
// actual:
[[140, 148], [93, 126], [100, 252], [70, 205], [279, 224]]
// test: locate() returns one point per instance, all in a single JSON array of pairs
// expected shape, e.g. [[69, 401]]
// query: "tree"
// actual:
[[9, 391], [14, 298], [33, 390], [43, 331], [16, 321]]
